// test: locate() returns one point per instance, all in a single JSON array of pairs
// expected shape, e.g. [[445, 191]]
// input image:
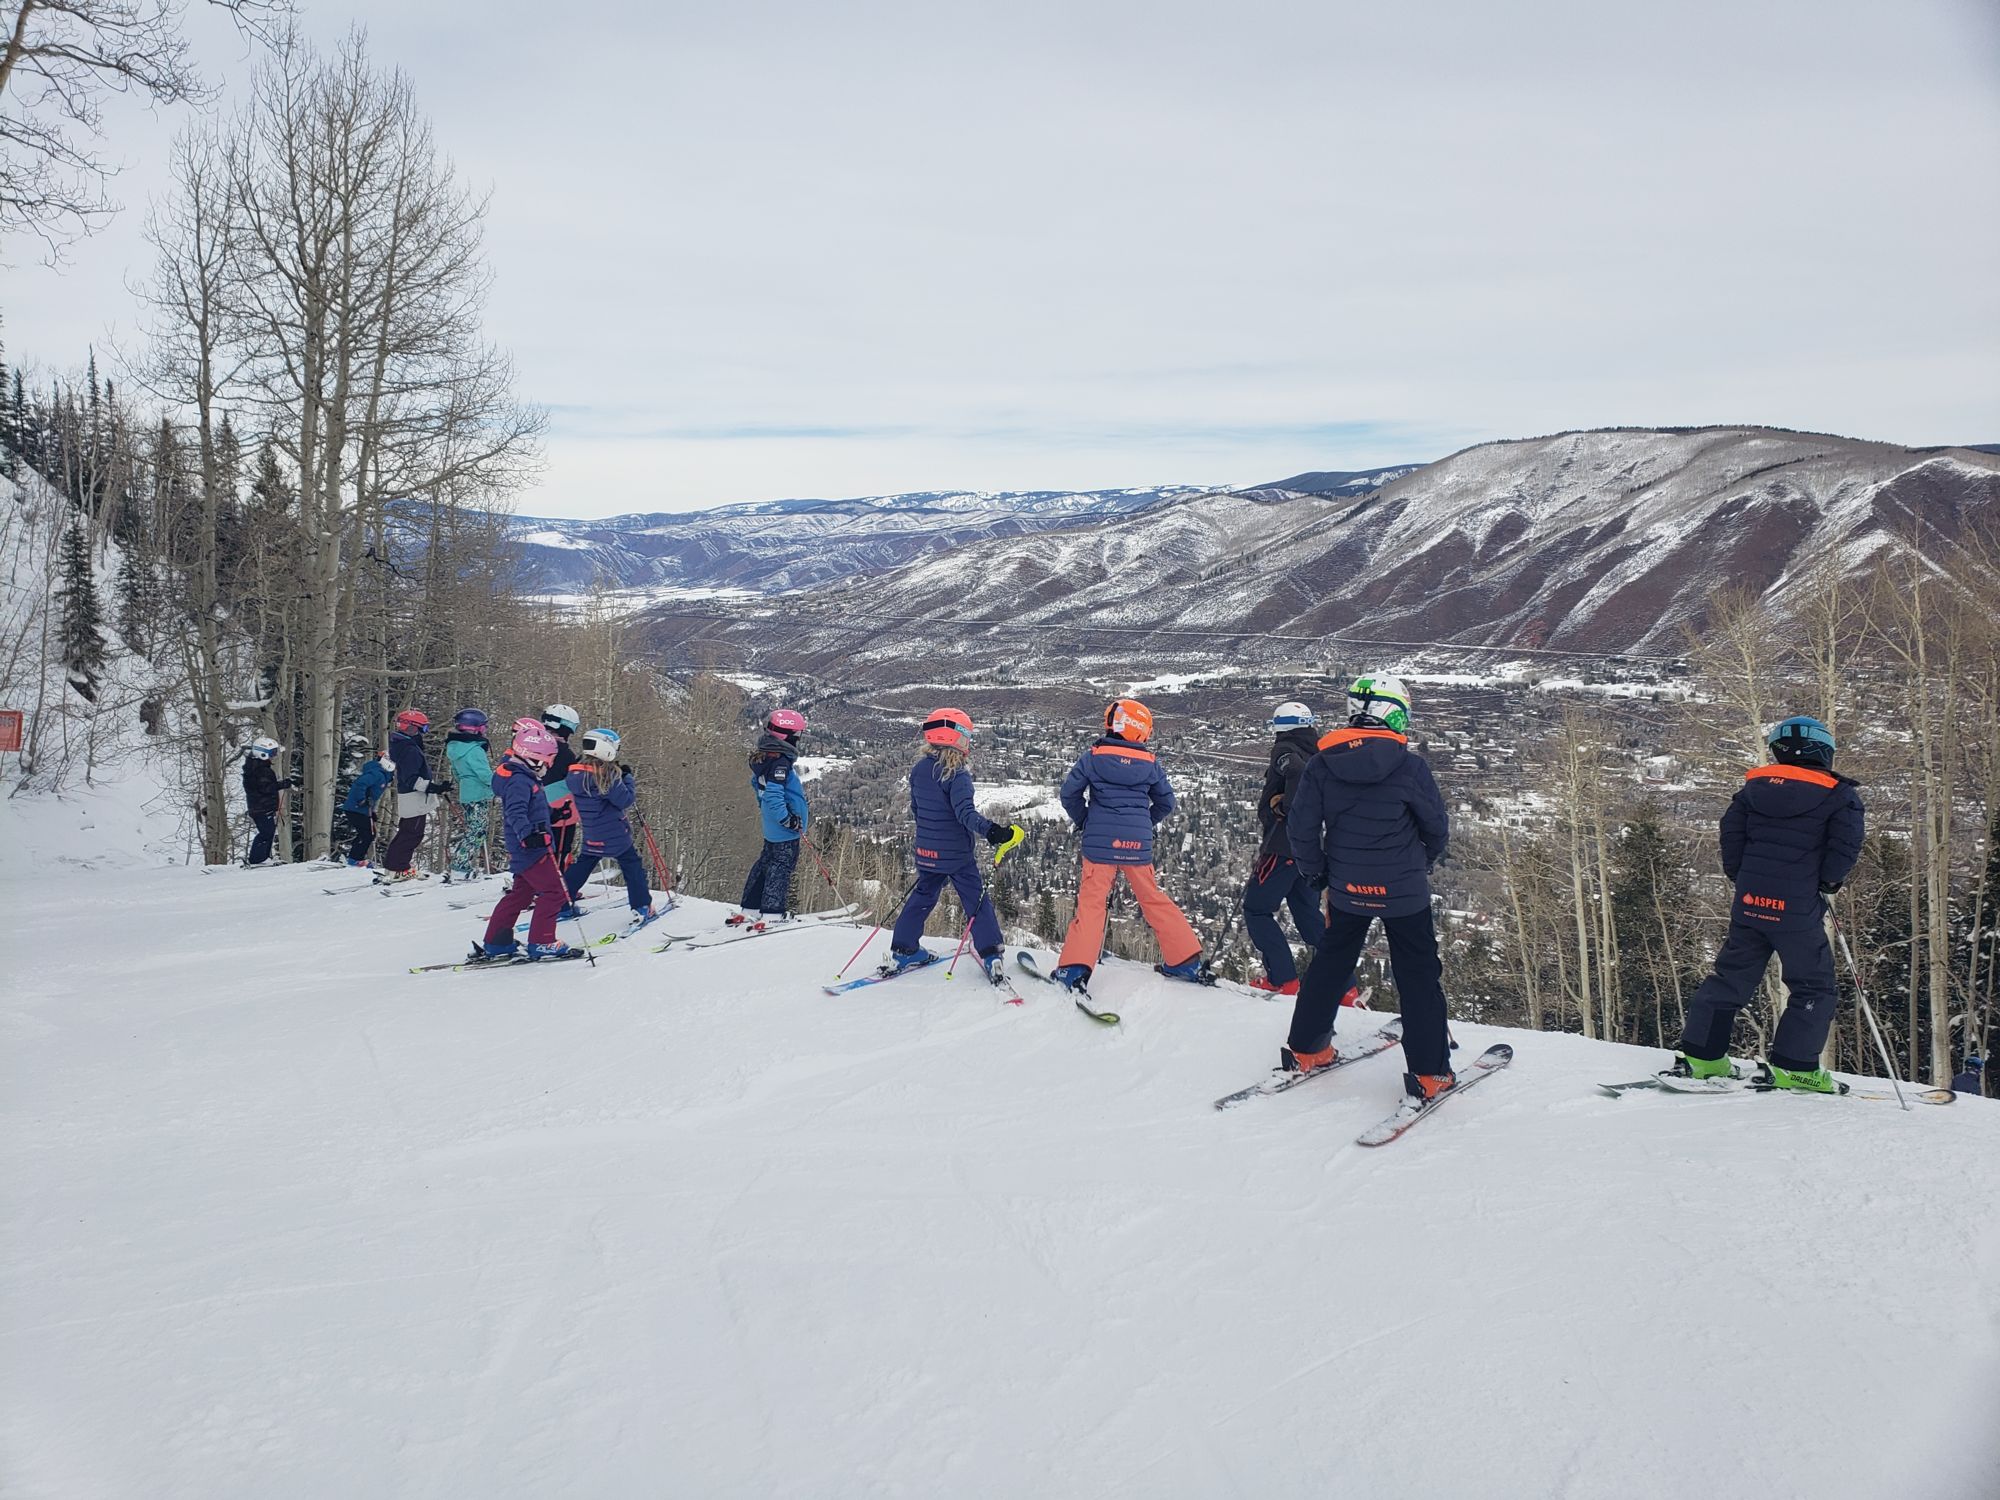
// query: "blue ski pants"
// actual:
[[1413, 963], [768, 887], [1274, 884], [267, 830], [923, 900], [633, 868], [1805, 958]]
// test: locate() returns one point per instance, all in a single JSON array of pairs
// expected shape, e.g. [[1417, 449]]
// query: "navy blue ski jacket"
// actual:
[[605, 831], [1290, 756], [524, 810], [1788, 831], [261, 785], [1367, 816], [1115, 793], [947, 821], [413, 767], [368, 786]]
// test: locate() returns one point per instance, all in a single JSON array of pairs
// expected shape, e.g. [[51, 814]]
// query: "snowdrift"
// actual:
[[288, 1220]]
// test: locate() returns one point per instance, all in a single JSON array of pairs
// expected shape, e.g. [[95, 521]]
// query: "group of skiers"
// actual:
[[1352, 823]]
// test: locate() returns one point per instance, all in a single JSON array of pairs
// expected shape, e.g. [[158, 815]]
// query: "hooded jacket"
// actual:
[[524, 810], [1291, 754], [1368, 817], [471, 767], [1115, 793], [947, 822], [1788, 831], [780, 793], [605, 831], [368, 786], [261, 785], [413, 767]]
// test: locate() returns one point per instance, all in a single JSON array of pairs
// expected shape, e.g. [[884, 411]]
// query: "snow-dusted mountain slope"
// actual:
[[784, 544], [284, 1219], [1593, 541], [1353, 483]]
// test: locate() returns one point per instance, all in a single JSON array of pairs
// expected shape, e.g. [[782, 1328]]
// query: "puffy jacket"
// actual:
[[471, 767], [1290, 756], [369, 785], [1115, 793], [780, 793], [1788, 831], [524, 809], [947, 822], [413, 767], [261, 785], [605, 831], [555, 782], [1368, 817]]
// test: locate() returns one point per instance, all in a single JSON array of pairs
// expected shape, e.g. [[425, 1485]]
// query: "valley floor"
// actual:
[[284, 1219]]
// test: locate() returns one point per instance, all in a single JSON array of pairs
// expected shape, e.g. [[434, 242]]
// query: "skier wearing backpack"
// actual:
[[416, 795], [524, 820], [1276, 882], [359, 805], [1789, 839], [947, 822], [472, 774], [603, 790], [561, 721], [262, 787], [1115, 794], [781, 803], [1365, 825]]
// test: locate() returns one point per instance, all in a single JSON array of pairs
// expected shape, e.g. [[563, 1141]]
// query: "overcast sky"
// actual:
[[747, 251]]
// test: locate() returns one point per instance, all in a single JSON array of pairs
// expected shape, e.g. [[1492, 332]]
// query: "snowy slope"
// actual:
[[287, 1220]]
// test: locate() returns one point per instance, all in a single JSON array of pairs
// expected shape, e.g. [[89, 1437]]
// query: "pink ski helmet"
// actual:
[[950, 727], [534, 742], [788, 722]]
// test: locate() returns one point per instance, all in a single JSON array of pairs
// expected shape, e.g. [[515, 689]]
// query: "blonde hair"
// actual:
[[607, 773], [950, 759]]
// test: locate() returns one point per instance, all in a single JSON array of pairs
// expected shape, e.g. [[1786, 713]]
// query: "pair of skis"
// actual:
[[1672, 1083], [478, 960], [1008, 994], [716, 937]]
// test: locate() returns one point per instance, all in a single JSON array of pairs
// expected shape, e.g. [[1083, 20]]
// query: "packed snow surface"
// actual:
[[288, 1220]]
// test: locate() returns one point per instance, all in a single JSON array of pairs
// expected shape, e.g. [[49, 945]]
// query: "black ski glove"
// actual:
[[624, 769], [1317, 882], [1829, 889], [792, 822], [996, 835], [537, 838]]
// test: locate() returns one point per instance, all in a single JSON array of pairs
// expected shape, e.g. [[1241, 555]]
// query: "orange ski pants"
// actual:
[[1084, 943]]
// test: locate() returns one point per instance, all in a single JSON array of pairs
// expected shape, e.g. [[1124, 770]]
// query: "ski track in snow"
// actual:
[[287, 1220]]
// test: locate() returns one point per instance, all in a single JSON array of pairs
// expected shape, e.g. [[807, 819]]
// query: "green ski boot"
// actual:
[[1701, 1067], [1818, 1081]]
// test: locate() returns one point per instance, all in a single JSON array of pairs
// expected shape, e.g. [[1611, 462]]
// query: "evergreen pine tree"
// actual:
[[1045, 915], [82, 639], [10, 439]]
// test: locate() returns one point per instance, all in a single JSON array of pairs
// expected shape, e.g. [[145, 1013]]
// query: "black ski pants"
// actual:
[[1276, 883], [1805, 958], [267, 830], [768, 886], [1413, 963], [362, 845], [403, 847]]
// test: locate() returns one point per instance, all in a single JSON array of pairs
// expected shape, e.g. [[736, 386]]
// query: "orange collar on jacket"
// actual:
[[1132, 752], [1791, 773], [1351, 736]]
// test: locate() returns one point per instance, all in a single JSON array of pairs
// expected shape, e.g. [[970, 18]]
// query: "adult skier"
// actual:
[[262, 786], [1275, 881], [416, 795], [603, 790], [561, 721], [524, 821], [781, 803], [472, 774], [1115, 794], [1789, 839], [1365, 825], [359, 805], [947, 822]]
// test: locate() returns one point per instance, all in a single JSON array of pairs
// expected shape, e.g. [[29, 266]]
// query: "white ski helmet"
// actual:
[[1291, 716], [561, 718], [264, 747], [599, 744], [1380, 702]]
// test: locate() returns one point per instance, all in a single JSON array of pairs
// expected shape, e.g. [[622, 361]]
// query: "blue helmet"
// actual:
[[1802, 741], [470, 721]]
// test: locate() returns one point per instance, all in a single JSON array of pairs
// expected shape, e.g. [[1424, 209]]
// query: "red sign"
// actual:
[[10, 729]]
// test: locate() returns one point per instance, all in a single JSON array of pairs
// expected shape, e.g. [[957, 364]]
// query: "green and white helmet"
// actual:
[[1379, 702]]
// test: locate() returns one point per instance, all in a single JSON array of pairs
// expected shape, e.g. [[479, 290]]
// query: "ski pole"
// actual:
[[659, 864], [842, 973], [588, 957], [959, 952], [825, 873], [1868, 1010]]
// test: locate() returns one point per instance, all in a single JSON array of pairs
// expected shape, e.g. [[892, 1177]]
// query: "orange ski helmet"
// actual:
[[950, 727], [1129, 719]]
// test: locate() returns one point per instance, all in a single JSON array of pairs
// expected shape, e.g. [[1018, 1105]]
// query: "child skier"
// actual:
[[781, 801], [524, 819], [947, 822], [472, 774], [1789, 839], [1365, 825], [261, 790], [1276, 882], [561, 721], [416, 795], [602, 790], [1115, 794], [359, 806]]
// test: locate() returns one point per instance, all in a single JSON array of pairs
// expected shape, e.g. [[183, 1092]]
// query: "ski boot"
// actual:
[[1284, 991], [1072, 977], [537, 951], [504, 948], [737, 919], [1797, 1080], [1189, 970], [1422, 1088], [570, 912], [902, 961], [995, 965], [1291, 1060], [1701, 1067], [1352, 997], [360, 864]]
